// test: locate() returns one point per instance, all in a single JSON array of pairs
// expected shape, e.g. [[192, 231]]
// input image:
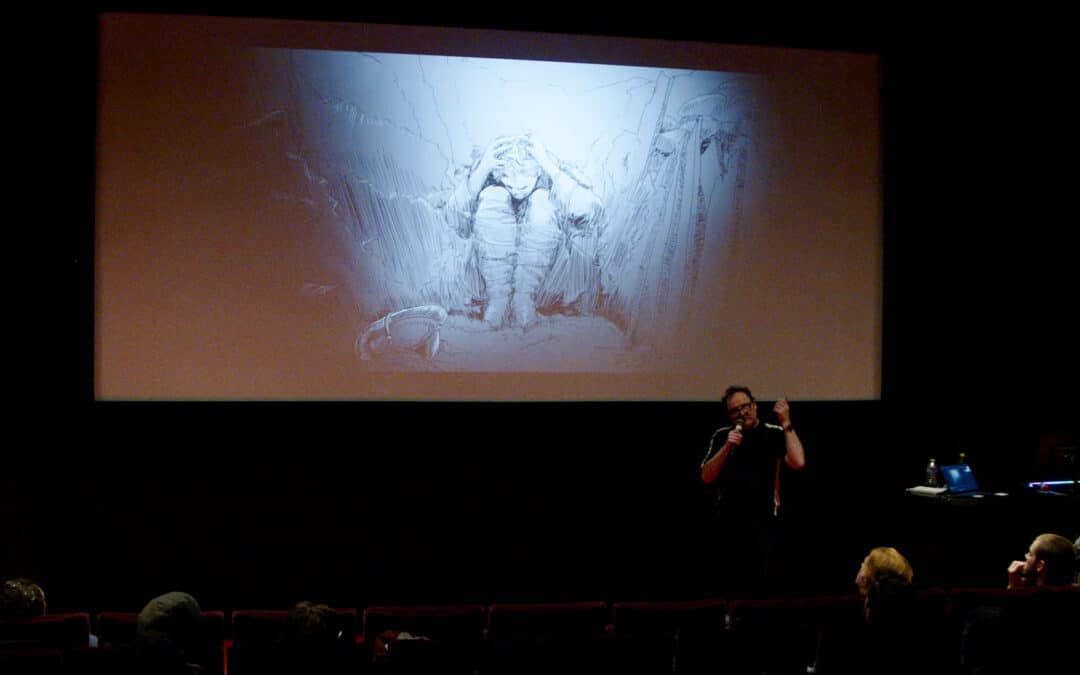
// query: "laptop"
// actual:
[[961, 481]]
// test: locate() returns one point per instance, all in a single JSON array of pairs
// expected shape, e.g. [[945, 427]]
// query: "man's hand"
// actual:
[[539, 152], [491, 161], [783, 412], [1016, 574], [734, 437]]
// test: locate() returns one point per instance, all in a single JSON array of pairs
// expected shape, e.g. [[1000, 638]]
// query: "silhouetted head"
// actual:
[[174, 615], [21, 599], [884, 581], [1050, 560]]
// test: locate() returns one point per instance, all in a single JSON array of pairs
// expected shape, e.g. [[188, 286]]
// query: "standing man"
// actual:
[[743, 463]]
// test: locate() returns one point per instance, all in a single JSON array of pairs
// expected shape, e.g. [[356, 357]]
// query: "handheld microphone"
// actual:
[[738, 427]]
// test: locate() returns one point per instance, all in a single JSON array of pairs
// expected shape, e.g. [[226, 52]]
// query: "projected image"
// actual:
[[498, 215]]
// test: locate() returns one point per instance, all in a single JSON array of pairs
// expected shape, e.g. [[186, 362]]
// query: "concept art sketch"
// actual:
[[523, 208], [491, 209]]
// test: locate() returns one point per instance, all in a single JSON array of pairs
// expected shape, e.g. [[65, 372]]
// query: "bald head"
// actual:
[[1055, 559]]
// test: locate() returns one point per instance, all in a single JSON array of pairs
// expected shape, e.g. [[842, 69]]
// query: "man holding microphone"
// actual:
[[743, 464]]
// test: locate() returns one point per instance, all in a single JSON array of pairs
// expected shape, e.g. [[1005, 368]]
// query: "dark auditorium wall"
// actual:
[[250, 504]]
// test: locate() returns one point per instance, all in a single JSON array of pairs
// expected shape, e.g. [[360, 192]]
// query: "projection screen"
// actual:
[[291, 210]]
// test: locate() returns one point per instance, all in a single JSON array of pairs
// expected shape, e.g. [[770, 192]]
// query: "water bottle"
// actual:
[[932, 473]]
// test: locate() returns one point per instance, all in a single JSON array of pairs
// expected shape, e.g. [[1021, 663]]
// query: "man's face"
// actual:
[[519, 177], [741, 410], [1031, 561]]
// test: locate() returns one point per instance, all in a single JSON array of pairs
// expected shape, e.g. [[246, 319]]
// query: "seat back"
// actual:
[[118, 629], [263, 626], [564, 638], [51, 630], [646, 632], [443, 622], [783, 634], [666, 618], [548, 619]]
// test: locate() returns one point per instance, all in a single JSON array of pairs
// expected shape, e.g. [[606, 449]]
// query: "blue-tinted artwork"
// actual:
[[500, 215]]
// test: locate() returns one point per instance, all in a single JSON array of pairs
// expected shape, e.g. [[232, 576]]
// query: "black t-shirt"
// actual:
[[746, 483]]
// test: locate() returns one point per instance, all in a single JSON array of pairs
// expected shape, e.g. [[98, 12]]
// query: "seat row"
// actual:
[[596, 637]]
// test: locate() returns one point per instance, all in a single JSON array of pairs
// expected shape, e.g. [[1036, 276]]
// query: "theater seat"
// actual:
[[442, 638], [449, 622], [782, 634], [117, 630], [645, 632], [1034, 629], [262, 626], [920, 642], [255, 632], [51, 630], [566, 638], [32, 661]]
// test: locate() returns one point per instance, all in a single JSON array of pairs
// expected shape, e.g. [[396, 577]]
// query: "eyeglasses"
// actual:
[[742, 409]]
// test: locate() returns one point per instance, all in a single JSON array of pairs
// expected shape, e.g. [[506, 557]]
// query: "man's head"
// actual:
[[740, 405], [21, 599], [1076, 550], [1050, 561], [519, 172], [309, 625], [175, 616], [309, 639]]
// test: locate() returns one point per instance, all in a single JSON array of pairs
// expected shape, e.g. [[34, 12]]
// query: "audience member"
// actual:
[[1076, 552], [1050, 561], [884, 579], [893, 638], [166, 636], [21, 599], [309, 640]]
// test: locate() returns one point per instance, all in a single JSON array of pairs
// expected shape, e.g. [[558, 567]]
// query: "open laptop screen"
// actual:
[[959, 478]]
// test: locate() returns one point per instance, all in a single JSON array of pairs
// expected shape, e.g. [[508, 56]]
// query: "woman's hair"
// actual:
[[884, 581], [881, 561]]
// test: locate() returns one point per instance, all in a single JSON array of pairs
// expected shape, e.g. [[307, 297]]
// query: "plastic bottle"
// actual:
[[932, 473]]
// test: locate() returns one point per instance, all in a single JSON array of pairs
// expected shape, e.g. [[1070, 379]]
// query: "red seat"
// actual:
[[450, 637], [564, 638], [32, 661], [1030, 628], [564, 618], [262, 626], [118, 629], [51, 630], [650, 618], [917, 640], [434, 621], [783, 633], [254, 649], [645, 632]]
